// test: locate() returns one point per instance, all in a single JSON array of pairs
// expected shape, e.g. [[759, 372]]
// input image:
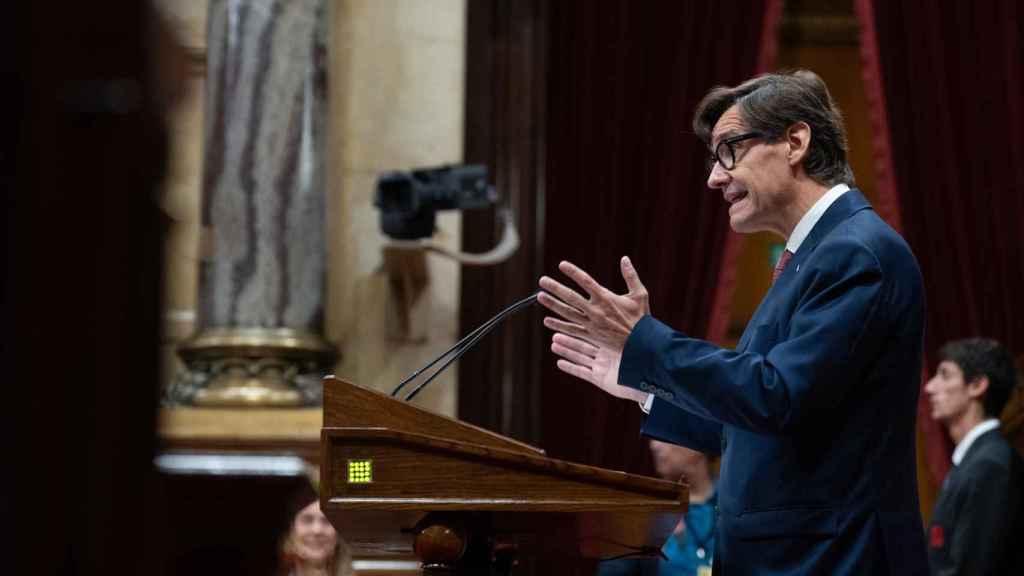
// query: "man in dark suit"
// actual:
[[814, 411], [979, 508]]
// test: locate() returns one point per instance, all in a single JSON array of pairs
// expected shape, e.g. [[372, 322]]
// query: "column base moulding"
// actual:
[[251, 367]]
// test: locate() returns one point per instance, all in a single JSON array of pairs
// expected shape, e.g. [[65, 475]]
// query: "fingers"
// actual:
[[630, 275], [566, 327], [589, 285], [562, 292], [572, 350], [561, 308], [577, 344], [577, 354], [576, 370]]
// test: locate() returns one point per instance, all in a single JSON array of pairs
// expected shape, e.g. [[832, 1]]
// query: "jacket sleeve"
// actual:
[[831, 336], [670, 423]]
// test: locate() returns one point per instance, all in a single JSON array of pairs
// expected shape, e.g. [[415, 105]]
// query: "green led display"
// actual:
[[360, 471]]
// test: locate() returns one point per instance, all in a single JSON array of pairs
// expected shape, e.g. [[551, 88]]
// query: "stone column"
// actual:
[[259, 339]]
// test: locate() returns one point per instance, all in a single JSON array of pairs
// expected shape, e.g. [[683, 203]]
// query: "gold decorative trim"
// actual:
[[284, 342], [251, 367]]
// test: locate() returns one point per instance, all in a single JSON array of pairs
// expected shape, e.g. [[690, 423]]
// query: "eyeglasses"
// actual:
[[725, 151]]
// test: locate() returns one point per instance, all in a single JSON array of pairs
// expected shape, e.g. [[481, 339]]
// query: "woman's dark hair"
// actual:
[[771, 103], [978, 357]]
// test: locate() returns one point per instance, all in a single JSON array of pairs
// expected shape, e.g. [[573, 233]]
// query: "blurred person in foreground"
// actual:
[[978, 511], [814, 411], [688, 551], [310, 545]]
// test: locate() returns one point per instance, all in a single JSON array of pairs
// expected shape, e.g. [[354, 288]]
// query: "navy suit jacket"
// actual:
[[978, 515], [813, 412]]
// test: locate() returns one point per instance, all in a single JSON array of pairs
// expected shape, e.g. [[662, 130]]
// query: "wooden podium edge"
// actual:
[[334, 386], [663, 494]]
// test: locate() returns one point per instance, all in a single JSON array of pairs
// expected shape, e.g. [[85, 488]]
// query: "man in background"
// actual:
[[688, 551], [979, 508]]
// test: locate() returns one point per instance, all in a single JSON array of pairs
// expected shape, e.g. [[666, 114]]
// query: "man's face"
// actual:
[[758, 188], [949, 395]]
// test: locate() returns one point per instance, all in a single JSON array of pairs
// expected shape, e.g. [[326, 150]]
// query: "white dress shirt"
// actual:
[[965, 444]]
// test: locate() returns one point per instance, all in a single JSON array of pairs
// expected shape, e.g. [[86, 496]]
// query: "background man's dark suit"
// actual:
[[978, 513], [814, 411]]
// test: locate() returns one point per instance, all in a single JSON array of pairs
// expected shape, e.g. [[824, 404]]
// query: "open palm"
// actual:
[[592, 331], [598, 365]]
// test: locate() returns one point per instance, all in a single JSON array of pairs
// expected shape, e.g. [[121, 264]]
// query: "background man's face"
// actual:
[[671, 461], [757, 188], [948, 392]]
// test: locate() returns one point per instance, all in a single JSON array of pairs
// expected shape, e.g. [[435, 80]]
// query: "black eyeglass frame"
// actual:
[[729, 143]]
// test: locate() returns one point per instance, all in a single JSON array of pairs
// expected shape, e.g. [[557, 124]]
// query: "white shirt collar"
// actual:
[[965, 444], [806, 224]]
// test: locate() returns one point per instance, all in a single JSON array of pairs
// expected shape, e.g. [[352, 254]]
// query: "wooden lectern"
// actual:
[[398, 480]]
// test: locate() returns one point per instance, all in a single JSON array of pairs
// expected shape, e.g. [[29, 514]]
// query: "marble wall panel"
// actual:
[[397, 95]]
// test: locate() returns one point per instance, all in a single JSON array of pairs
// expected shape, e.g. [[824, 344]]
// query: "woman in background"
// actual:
[[311, 546]]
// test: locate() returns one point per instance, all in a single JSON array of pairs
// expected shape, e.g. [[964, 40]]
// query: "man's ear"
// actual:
[[798, 138], [977, 388]]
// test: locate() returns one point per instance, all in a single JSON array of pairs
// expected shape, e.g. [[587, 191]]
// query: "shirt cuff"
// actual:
[[646, 404]]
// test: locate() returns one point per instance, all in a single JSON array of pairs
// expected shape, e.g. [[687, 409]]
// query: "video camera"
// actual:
[[408, 201]]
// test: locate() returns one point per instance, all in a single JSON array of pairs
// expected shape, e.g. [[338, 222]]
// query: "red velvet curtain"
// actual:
[[626, 176], [950, 139]]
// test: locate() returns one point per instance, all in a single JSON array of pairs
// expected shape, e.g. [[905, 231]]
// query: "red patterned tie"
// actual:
[[783, 260]]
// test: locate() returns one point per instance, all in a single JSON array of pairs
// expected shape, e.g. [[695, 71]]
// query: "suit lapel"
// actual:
[[845, 206], [979, 445]]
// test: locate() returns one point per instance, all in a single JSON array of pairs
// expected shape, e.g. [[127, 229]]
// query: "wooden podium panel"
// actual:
[[386, 465]]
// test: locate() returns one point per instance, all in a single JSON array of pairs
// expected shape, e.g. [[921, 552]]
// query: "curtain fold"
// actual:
[[721, 305], [948, 83], [626, 176]]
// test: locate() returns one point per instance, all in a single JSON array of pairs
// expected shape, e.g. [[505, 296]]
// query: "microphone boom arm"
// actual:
[[461, 347]]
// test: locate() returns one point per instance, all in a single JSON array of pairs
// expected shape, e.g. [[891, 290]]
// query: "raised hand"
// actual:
[[599, 366], [593, 331]]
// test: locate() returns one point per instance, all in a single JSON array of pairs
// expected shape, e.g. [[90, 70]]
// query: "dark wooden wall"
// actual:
[[84, 152]]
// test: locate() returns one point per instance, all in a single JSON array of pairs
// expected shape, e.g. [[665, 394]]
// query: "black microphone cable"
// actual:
[[460, 343], [461, 347]]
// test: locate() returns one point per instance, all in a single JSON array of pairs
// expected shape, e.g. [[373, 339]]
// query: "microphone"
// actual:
[[461, 347]]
